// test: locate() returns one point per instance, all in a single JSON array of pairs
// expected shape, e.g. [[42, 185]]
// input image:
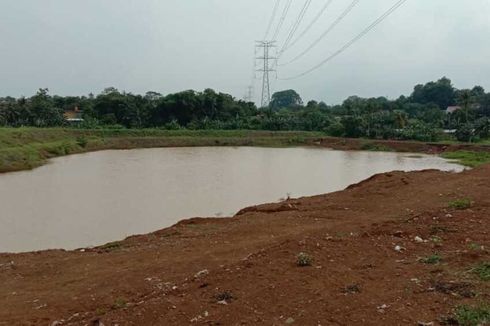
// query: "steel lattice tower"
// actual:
[[266, 46]]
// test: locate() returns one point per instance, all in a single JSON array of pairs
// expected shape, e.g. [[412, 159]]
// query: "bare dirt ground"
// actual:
[[367, 245]]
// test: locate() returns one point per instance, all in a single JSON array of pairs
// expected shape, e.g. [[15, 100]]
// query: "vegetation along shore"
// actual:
[[27, 148]]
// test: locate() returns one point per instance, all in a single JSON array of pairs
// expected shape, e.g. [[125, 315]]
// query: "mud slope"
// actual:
[[243, 270]]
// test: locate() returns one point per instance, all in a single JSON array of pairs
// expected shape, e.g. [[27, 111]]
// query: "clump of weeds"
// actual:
[[460, 204], [304, 260]]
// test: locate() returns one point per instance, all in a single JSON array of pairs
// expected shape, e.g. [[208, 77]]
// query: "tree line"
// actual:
[[420, 116]]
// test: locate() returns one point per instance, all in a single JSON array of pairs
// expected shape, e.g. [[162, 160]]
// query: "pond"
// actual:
[[91, 199]]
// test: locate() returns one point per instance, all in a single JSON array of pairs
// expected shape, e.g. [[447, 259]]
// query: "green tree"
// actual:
[[441, 92], [466, 100], [285, 99]]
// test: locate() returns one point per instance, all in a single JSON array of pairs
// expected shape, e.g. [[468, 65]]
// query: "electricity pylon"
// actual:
[[266, 69]]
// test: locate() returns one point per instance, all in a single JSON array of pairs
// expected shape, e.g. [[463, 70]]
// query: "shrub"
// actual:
[[460, 204], [304, 260], [431, 260], [465, 133], [472, 316], [483, 271], [82, 141], [120, 303]]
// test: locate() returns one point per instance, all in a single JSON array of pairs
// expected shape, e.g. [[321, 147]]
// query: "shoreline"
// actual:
[[28, 148], [349, 234]]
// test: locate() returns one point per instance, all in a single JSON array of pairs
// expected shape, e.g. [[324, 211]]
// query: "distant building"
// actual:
[[74, 115], [452, 109]]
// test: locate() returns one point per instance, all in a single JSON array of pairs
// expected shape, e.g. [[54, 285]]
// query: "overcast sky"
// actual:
[[81, 46]]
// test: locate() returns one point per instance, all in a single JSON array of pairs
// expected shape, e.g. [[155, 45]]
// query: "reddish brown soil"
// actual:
[[356, 278], [398, 145]]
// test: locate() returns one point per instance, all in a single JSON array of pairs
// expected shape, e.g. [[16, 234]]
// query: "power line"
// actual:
[[281, 21], [352, 41], [307, 29], [330, 28], [274, 12], [296, 25]]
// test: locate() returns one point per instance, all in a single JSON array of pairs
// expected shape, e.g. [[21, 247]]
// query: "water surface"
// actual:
[[91, 199]]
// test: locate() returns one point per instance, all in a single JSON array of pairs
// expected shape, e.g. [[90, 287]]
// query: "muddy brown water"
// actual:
[[91, 199]]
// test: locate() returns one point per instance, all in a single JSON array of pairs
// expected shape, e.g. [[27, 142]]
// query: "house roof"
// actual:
[[451, 109]]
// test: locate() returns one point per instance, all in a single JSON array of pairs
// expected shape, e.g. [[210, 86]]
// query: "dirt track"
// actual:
[[243, 271]]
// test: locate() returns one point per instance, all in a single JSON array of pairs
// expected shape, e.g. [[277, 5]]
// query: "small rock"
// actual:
[[204, 272], [449, 215], [398, 234], [223, 302], [421, 323], [419, 239], [399, 248], [382, 308], [289, 321]]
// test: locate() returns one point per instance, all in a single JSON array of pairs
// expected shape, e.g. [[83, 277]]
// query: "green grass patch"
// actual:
[[460, 204], [119, 303], [483, 271], [471, 159], [472, 316], [27, 148], [431, 260]]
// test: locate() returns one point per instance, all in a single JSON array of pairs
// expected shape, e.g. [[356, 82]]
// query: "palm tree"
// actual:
[[465, 100], [401, 119]]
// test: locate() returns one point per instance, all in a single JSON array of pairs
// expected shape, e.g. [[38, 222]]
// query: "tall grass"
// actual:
[[471, 159], [27, 148]]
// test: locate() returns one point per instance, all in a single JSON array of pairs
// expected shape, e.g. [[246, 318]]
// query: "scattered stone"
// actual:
[[419, 239], [464, 290], [382, 308], [97, 322], [449, 215], [399, 248], [223, 302], [398, 234], [198, 318], [351, 289], [421, 323], [224, 297], [202, 273], [289, 321], [7, 265]]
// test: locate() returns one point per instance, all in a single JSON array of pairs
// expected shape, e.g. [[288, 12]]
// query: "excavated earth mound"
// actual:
[[397, 249]]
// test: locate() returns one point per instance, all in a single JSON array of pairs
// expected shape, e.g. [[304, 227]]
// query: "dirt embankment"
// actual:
[[398, 146], [388, 251]]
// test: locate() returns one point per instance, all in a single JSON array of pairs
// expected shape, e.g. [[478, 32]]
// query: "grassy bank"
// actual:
[[27, 148], [468, 158]]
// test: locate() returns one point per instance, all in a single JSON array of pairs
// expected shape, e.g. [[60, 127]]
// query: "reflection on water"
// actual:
[[94, 198]]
